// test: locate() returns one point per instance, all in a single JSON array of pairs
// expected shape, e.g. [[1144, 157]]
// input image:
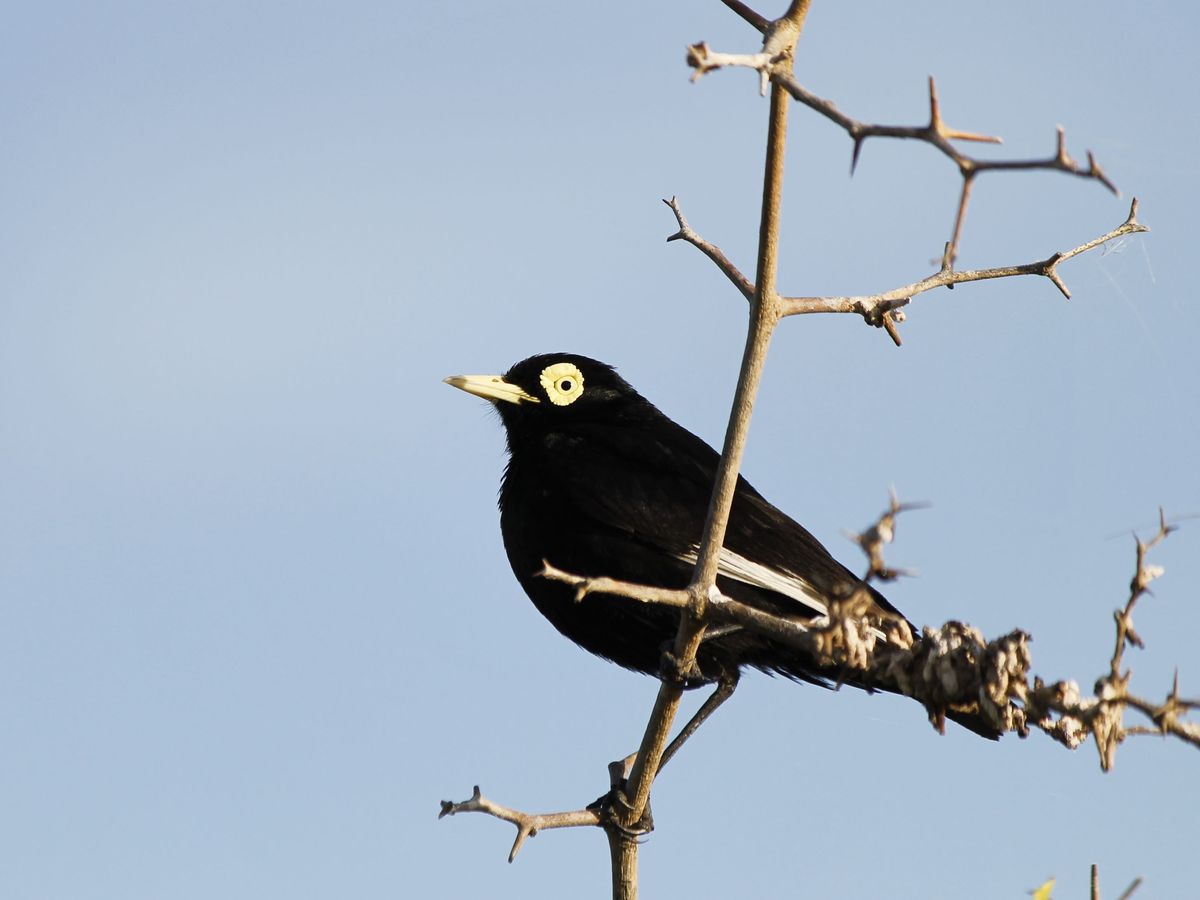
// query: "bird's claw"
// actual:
[[608, 806], [672, 671]]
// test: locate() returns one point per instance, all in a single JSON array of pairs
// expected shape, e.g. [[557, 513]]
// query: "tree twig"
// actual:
[[528, 824], [876, 309], [584, 586], [712, 251]]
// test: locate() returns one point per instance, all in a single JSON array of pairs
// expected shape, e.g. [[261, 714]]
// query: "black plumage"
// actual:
[[600, 483]]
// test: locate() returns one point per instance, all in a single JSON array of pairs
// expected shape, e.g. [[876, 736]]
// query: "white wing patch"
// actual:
[[732, 565]]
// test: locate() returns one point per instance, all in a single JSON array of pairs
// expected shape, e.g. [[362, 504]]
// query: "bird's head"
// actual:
[[551, 389]]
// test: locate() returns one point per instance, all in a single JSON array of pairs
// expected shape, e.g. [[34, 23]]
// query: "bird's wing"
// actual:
[[655, 488], [780, 581]]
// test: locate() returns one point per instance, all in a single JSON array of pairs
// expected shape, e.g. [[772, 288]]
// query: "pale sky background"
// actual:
[[255, 617]]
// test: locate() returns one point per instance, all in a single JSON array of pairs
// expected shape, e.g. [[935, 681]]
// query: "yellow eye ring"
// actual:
[[563, 383]]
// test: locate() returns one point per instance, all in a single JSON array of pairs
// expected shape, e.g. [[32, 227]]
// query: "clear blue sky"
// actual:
[[255, 618]]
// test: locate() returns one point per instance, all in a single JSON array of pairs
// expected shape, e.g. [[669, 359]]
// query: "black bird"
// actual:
[[600, 483]]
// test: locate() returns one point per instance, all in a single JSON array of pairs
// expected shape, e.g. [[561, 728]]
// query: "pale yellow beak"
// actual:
[[490, 387]]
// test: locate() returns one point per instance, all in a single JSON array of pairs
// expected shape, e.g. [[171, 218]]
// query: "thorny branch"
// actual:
[[882, 532], [776, 67], [780, 37], [952, 668], [885, 309], [527, 824]]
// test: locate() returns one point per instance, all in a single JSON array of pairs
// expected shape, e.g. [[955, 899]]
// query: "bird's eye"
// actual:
[[563, 383]]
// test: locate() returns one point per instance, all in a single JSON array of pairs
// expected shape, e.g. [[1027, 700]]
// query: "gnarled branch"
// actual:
[[952, 669]]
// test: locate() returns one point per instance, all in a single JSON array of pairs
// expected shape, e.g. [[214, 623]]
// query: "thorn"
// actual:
[[1131, 219], [1163, 527], [890, 325], [1096, 172], [935, 113], [974, 136], [522, 833], [1052, 274], [1061, 154], [858, 142]]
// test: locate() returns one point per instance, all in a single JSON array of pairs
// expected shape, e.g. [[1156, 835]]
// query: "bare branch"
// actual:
[[883, 310], [528, 824], [774, 63], [584, 586], [1138, 585], [937, 134], [872, 541], [876, 308], [704, 60], [712, 251], [779, 40]]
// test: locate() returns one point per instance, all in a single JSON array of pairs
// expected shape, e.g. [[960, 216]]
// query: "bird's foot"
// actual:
[[613, 808], [672, 671]]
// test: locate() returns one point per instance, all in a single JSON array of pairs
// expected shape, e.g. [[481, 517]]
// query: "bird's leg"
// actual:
[[672, 672], [618, 771], [724, 690], [605, 804]]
